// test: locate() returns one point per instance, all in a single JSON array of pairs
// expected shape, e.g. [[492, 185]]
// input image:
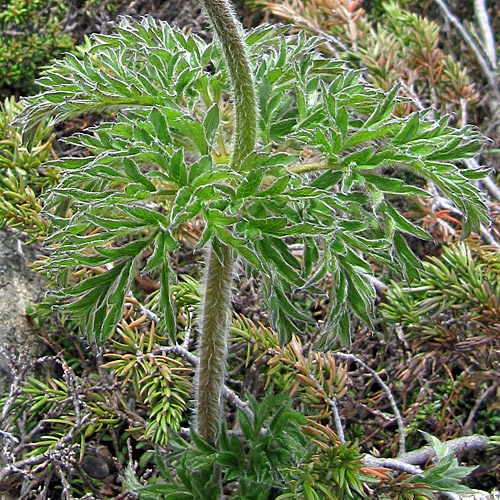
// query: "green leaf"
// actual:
[[177, 169], [384, 110], [270, 254], [149, 217], [255, 160], [402, 223], [395, 186], [363, 136], [277, 188], [203, 166], [344, 330], [269, 225], [132, 249], [409, 262], [287, 307], [211, 123], [192, 129], [327, 179], [246, 427], [455, 152], [409, 131], [201, 444], [160, 125], [361, 295], [285, 253], [249, 254], [250, 184]]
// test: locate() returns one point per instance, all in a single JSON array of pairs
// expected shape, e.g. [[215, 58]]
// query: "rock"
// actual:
[[19, 288], [95, 467]]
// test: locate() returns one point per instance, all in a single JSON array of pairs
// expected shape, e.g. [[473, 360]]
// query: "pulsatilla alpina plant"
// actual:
[[162, 159], [307, 169]]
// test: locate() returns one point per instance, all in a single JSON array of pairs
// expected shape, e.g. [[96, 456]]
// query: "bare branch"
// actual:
[[484, 396], [391, 463], [143, 310], [484, 24], [385, 388], [461, 444], [408, 462], [483, 63]]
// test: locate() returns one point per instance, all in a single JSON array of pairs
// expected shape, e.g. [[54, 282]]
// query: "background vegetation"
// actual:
[[435, 343]]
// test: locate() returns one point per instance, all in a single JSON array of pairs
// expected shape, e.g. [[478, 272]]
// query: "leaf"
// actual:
[[160, 125], [384, 110], [192, 129], [148, 216], [456, 152], [269, 225], [277, 188], [211, 123], [402, 223], [409, 262], [344, 330], [255, 160], [202, 166], [363, 136], [201, 444], [250, 184], [409, 131], [289, 308], [327, 179], [395, 186], [361, 295], [270, 254], [252, 257], [285, 253], [246, 427], [177, 169], [132, 249]]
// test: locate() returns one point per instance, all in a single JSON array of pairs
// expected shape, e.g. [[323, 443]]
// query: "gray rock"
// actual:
[[19, 288]]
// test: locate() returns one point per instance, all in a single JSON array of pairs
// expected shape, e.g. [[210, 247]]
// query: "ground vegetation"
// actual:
[[113, 416]]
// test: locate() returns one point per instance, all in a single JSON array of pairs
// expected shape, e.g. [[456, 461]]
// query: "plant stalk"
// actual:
[[231, 37], [216, 310], [213, 343]]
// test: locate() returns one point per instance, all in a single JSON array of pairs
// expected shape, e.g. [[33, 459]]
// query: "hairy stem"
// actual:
[[219, 269], [230, 34], [213, 343]]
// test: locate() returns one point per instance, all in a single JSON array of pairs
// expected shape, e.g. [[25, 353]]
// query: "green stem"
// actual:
[[230, 34], [216, 311], [213, 343], [304, 168]]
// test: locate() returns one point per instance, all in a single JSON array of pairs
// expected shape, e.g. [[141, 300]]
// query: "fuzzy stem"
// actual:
[[230, 34], [213, 343], [219, 269]]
